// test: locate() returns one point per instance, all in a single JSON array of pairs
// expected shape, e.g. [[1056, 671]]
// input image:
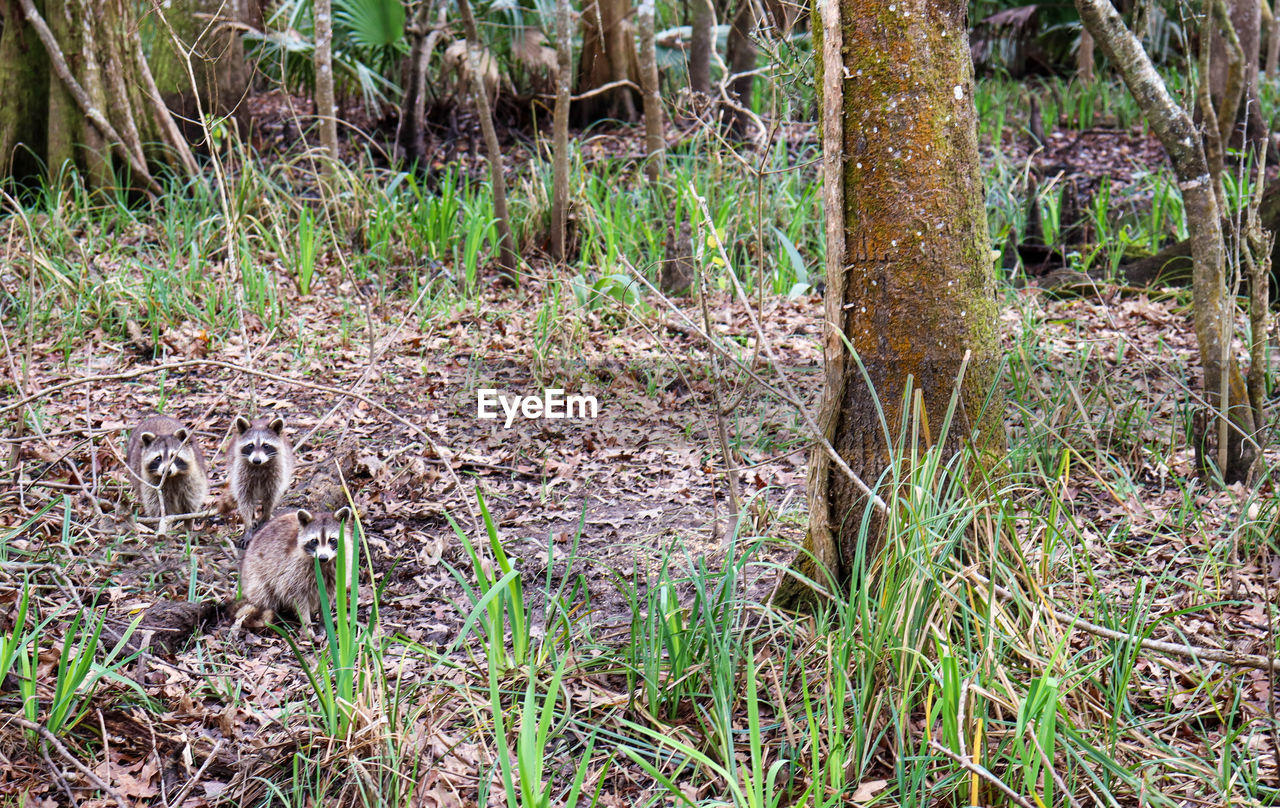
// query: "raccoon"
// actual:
[[261, 469], [277, 572], [167, 467]]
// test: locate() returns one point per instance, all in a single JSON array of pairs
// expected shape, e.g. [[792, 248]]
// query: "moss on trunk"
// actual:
[[98, 110], [909, 274], [24, 73]]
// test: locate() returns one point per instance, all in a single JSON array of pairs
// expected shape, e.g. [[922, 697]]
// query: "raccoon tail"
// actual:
[[249, 615]]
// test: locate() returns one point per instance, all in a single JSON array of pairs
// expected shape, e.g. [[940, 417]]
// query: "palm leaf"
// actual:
[[371, 24]]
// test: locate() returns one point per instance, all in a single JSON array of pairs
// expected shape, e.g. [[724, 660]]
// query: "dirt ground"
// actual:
[[641, 478]]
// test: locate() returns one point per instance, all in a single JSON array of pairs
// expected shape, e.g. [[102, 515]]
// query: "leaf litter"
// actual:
[[642, 477]]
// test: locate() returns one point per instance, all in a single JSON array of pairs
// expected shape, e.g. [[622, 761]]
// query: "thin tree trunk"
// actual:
[[900, 181], [701, 42], [560, 132], [1084, 58], [742, 64], [325, 109], [1272, 23], [411, 131], [655, 143], [506, 244], [1234, 83], [1182, 143]]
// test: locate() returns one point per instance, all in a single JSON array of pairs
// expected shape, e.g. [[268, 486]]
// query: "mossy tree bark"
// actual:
[[1224, 384], [24, 73], [909, 272], [83, 94]]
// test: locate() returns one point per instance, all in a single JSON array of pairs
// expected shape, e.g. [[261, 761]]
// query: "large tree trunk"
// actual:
[[742, 62], [701, 41], [654, 141], [1224, 384], [24, 73], [608, 55], [909, 273], [99, 111]]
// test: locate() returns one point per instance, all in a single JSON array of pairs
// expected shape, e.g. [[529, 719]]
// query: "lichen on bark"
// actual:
[[909, 275]]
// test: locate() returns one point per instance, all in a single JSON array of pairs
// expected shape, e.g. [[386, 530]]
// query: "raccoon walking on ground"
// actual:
[[261, 469], [277, 572], [167, 467]]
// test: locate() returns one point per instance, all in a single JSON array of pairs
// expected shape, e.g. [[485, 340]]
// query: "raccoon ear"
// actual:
[[242, 424], [148, 438], [342, 514], [181, 433], [276, 425], [304, 517]]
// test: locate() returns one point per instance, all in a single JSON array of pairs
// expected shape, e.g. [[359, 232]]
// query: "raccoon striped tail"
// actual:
[[249, 614]]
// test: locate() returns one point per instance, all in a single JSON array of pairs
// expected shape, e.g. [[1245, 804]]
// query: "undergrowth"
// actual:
[[954, 666]]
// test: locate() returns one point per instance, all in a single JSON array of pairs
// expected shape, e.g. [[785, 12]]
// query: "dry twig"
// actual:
[[52, 740], [1068, 619], [982, 772]]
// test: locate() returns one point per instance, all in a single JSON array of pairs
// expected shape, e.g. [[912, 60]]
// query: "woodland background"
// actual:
[[933, 347]]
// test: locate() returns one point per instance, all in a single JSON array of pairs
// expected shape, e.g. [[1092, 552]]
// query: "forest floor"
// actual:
[[606, 509]]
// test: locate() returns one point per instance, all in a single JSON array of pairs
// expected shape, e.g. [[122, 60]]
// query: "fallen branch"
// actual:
[[603, 88], [1070, 620], [51, 739], [174, 517], [982, 772], [194, 781]]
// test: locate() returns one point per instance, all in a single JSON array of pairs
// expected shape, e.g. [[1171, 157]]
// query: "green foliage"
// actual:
[[78, 672], [305, 264], [497, 598], [340, 676], [373, 28], [526, 785], [368, 39]]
